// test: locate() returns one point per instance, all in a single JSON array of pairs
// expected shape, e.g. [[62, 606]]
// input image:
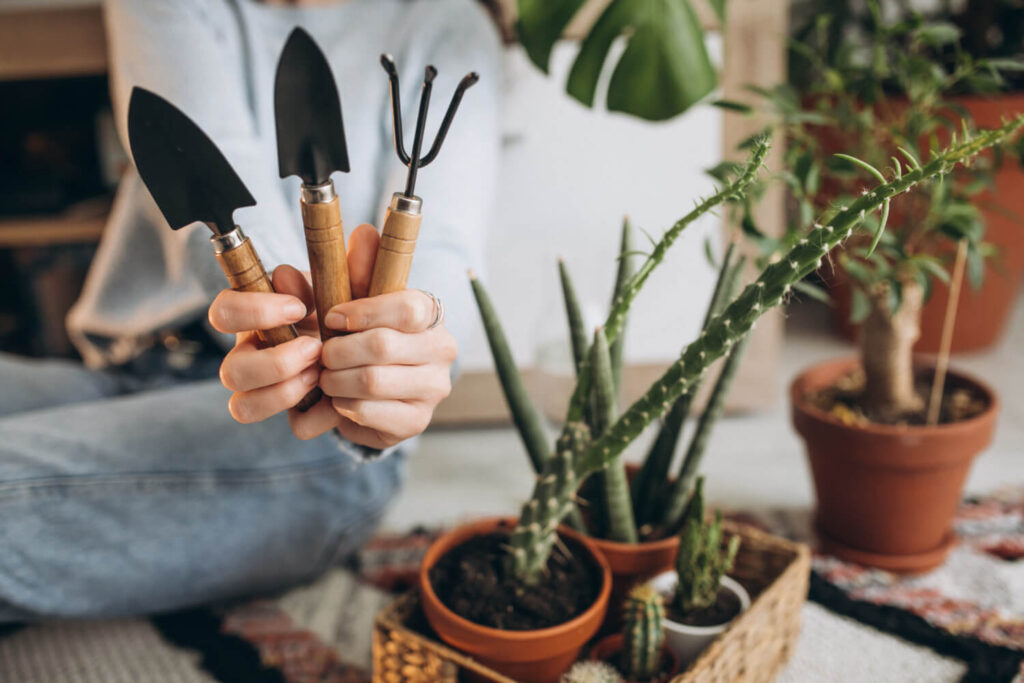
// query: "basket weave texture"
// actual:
[[754, 649]]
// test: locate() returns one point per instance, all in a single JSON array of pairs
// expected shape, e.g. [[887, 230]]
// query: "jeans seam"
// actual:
[[170, 480]]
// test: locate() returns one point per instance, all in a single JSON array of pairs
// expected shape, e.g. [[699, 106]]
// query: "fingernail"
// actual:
[[294, 310], [335, 321]]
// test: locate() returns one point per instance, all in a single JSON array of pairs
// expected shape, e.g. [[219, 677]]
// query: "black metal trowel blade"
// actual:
[[185, 172], [310, 135]]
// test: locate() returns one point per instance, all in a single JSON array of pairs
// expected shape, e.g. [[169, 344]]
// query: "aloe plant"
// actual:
[[642, 636], [701, 561], [579, 453]]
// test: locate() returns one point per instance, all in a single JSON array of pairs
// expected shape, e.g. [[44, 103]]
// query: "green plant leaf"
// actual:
[[860, 306], [718, 6], [813, 291], [938, 33], [539, 25], [664, 69], [733, 105]]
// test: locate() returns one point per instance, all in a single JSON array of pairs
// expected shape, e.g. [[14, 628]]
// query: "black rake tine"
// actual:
[[468, 81], [421, 122], [396, 106]]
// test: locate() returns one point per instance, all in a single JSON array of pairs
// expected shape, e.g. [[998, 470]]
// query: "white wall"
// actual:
[[569, 175]]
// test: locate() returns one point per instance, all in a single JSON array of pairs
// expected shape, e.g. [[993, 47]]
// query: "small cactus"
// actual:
[[642, 637], [701, 562], [591, 672]]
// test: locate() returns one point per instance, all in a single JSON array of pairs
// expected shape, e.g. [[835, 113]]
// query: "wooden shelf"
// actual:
[[52, 41], [82, 224]]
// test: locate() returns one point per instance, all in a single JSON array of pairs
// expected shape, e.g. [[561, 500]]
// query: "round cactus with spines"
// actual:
[[642, 636], [591, 672]]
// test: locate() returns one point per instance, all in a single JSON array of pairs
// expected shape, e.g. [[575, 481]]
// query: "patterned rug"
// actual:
[[964, 621]]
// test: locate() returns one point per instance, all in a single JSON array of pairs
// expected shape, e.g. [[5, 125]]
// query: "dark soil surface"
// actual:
[[727, 606], [471, 581], [845, 401]]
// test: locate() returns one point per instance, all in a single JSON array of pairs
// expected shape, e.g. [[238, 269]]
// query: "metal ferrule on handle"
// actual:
[[325, 243], [245, 273], [397, 244]]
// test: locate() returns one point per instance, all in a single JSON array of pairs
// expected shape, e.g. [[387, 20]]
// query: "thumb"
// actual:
[[362, 253]]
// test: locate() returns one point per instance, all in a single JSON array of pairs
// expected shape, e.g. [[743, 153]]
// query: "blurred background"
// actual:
[[570, 173]]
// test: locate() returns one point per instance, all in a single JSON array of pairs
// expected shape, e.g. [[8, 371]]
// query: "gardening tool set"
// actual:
[[191, 180]]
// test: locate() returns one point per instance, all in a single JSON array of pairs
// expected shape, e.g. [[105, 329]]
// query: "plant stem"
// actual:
[[577, 334], [622, 276]]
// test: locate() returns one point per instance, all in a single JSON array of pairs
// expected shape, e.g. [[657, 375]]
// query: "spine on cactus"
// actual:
[[701, 561], [622, 275], [737, 319], [642, 635], [650, 485], [618, 507]]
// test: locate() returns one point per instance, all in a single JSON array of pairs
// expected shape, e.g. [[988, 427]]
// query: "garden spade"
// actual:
[[191, 182], [311, 145]]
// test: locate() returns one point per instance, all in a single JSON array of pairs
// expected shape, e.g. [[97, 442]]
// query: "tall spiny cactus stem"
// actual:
[[622, 276], [619, 508], [577, 333], [701, 562], [650, 485], [617, 316], [676, 501], [642, 637], [591, 672], [736, 320]]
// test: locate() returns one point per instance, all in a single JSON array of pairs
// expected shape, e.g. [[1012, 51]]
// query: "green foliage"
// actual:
[[642, 635], [702, 560], [663, 70]]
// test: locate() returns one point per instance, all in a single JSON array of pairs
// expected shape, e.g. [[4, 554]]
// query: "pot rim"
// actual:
[[727, 582], [639, 547], [799, 402], [485, 525]]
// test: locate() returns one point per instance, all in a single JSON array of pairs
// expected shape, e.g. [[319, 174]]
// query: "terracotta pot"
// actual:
[[687, 642], [541, 655], [633, 563], [981, 313], [608, 649], [886, 494]]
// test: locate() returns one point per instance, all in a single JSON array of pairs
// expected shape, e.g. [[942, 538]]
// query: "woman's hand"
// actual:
[[266, 381], [389, 373]]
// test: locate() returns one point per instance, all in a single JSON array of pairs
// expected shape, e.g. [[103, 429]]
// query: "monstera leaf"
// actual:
[[663, 70]]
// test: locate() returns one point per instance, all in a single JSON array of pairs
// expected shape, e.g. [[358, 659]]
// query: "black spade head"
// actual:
[[310, 136], [185, 172]]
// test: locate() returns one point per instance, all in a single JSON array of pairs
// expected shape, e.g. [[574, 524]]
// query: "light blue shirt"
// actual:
[[215, 59]]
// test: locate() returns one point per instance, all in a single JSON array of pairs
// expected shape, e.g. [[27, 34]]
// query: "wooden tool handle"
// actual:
[[394, 254], [245, 273], [325, 242]]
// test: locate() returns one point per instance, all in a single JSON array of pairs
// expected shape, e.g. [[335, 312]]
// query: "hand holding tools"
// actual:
[[311, 145], [402, 219], [192, 181]]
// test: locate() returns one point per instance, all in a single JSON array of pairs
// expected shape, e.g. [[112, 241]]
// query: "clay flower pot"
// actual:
[[887, 494], [685, 641], [633, 563], [541, 655], [608, 649]]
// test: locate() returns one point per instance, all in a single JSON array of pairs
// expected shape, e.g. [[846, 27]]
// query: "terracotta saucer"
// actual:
[[913, 563]]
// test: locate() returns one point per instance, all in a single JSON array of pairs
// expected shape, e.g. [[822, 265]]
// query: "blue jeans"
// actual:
[[115, 503]]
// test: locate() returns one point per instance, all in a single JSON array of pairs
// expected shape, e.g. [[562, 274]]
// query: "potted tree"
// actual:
[[521, 559], [639, 652], [703, 598], [869, 86]]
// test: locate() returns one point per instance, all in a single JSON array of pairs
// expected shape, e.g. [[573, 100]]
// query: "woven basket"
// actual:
[[752, 650]]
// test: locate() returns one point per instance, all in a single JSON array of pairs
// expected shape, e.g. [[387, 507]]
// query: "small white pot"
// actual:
[[687, 642]]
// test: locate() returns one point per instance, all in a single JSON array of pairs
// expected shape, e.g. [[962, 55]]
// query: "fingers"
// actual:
[[290, 280], [407, 311], [365, 436], [259, 404], [396, 382], [248, 367], [384, 346], [362, 253], [234, 312], [316, 421], [400, 419]]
